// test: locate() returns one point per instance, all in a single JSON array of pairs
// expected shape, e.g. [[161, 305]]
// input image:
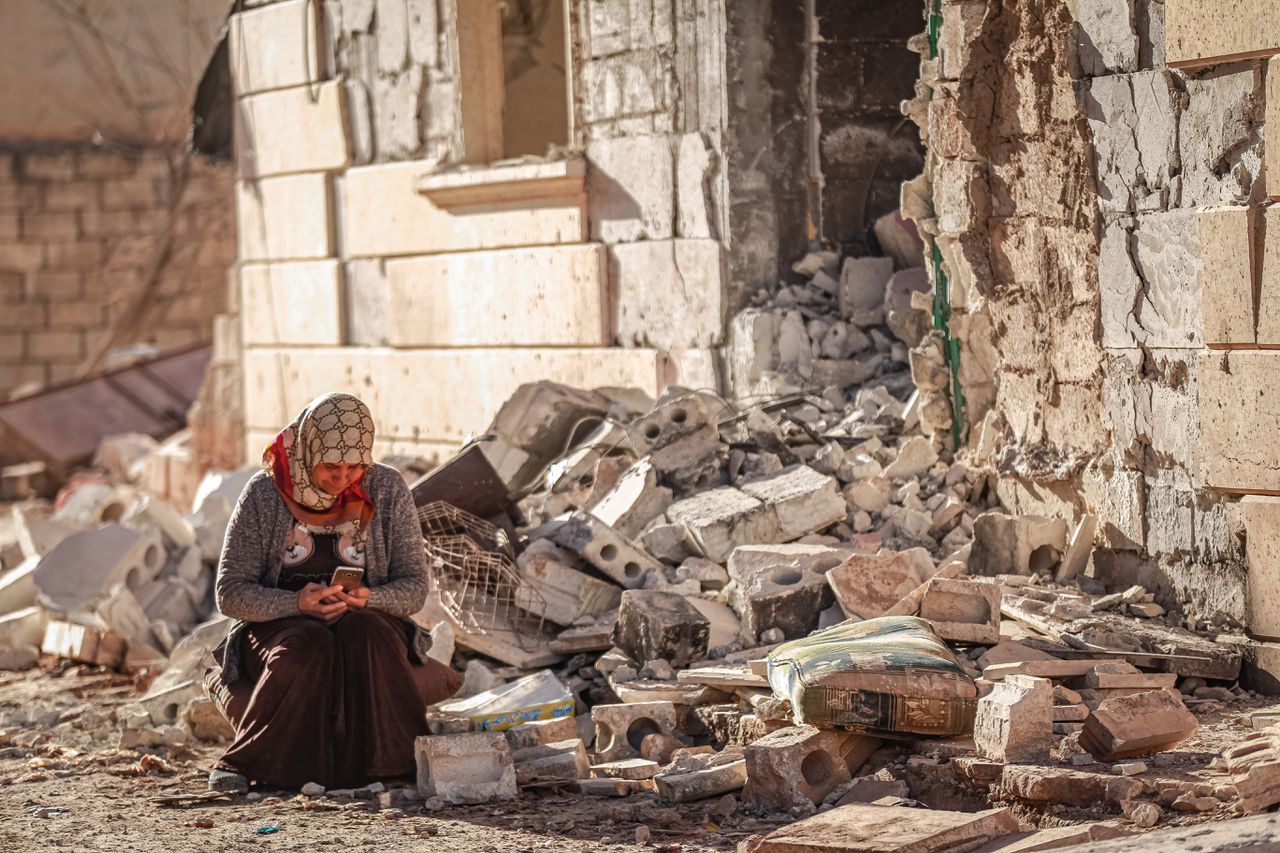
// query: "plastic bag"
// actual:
[[540, 696]]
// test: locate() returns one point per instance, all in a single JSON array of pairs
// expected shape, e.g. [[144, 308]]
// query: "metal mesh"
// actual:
[[472, 565]]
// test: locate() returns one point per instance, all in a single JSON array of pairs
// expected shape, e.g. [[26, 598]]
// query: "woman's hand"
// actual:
[[357, 599], [322, 602]]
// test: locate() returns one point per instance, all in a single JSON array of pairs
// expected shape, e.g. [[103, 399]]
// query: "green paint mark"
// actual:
[[950, 346]]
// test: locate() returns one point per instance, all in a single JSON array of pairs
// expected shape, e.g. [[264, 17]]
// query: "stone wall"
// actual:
[[1087, 199], [103, 249]]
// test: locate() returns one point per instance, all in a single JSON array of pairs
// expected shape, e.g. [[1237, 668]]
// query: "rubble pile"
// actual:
[[801, 605]]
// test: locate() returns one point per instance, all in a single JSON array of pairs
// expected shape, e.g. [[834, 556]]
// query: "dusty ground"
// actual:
[[73, 790]]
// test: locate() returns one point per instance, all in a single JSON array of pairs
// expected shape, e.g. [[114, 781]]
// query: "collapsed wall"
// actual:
[[1074, 187]]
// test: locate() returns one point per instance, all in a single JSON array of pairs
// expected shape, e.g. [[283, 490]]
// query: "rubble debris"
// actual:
[[1014, 722], [696, 776], [963, 611], [606, 549], [83, 567], [465, 769], [1254, 765], [558, 592], [561, 761], [866, 585], [663, 625], [540, 696], [889, 830], [800, 762], [1137, 725], [1016, 545], [621, 729]]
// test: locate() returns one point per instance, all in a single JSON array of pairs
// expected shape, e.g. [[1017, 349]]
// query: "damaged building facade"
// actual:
[[438, 202], [110, 236], [1097, 192], [401, 225]]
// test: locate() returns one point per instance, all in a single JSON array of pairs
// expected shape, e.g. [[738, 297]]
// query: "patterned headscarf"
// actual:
[[332, 428]]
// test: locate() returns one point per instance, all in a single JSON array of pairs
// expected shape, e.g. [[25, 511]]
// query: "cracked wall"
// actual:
[[1069, 171]]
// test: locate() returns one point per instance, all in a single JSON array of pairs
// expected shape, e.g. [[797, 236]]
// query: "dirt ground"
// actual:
[[73, 790]]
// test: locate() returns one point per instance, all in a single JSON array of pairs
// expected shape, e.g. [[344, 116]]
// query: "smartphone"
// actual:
[[347, 577]]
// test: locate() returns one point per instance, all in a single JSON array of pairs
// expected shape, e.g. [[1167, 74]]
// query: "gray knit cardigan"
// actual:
[[395, 564]]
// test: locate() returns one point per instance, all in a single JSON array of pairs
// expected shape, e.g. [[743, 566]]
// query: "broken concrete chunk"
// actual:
[[465, 769], [1136, 725], [606, 549], [18, 586], [784, 598], [654, 624], [915, 458], [866, 585], [1016, 545], [630, 768], [37, 532], [634, 501], [551, 589], [1015, 720], [719, 520], [1079, 550], [963, 611], [564, 760], [541, 732], [1082, 788], [858, 827], [1254, 765], [534, 426], [696, 777], [862, 286], [802, 500], [621, 729], [85, 566], [800, 762]]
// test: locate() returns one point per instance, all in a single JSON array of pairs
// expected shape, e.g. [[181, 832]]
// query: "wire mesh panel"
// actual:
[[472, 565]]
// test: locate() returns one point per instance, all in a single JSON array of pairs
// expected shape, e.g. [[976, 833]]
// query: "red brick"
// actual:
[[83, 254], [50, 226], [105, 164], [130, 193], [79, 315], [58, 167], [72, 195], [23, 257], [54, 286], [23, 315], [55, 346]]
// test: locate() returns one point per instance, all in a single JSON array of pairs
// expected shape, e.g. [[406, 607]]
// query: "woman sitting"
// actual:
[[323, 683]]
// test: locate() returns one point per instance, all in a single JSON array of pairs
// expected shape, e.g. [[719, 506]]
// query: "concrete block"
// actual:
[[550, 296], [273, 47], [168, 600], [384, 214], [1208, 34], [1134, 121], [1254, 765], [551, 589], [1262, 556], [85, 566], [542, 732], [1238, 402], [790, 765], [24, 627], [752, 352], [653, 625], [631, 768], [82, 643], [603, 547], [802, 500], [1271, 148], [634, 501], [669, 294], [699, 776], [862, 287], [18, 586], [890, 830], [122, 614], [284, 218], [620, 729], [276, 290], [868, 585], [36, 530], [719, 520], [561, 761], [1015, 720], [1108, 40], [302, 129], [697, 213], [466, 769], [1269, 291], [788, 598], [963, 611], [1016, 545], [1138, 724], [632, 189]]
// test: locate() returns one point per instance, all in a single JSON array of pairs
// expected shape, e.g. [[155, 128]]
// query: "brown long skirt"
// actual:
[[339, 704]]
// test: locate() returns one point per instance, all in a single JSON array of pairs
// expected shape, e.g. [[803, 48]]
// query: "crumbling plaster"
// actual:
[[1066, 164]]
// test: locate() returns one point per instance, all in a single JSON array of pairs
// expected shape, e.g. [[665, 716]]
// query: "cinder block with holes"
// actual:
[[606, 549], [620, 729], [466, 769], [85, 566], [800, 762], [963, 611], [673, 418], [784, 597]]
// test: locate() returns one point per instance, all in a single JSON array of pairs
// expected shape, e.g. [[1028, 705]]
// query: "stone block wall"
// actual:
[[100, 248], [1100, 217]]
